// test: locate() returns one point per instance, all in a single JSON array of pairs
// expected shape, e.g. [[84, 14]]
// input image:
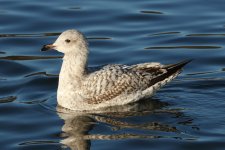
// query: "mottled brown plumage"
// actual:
[[82, 89], [114, 80]]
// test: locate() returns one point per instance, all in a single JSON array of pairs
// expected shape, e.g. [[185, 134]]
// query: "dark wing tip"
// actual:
[[171, 70], [177, 66]]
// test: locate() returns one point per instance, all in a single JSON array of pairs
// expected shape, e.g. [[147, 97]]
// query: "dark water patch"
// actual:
[[28, 35], [36, 83], [19, 35], [2, 12], [45, 35], [184, 47], [135, 19], [211, 61], [165, 33], [99, 38], [52, 34], [202, 73], [206, 35], [206, 83], [13, 69], [7, 99], [33, 101], [41, 73], [151, 12], [75, 8], [38, 142], [29, 57], [203, 145], [9, 87], [1, 78]]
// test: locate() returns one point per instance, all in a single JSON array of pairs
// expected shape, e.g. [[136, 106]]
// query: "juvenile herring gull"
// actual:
[[111, 85]]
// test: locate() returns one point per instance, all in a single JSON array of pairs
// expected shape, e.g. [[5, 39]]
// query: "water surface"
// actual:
[[186, 114]]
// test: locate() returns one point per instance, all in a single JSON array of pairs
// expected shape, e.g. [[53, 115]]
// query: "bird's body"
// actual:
[[81, 89], [117, 80]]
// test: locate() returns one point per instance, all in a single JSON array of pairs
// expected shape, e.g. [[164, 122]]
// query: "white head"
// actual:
[[70, 41]]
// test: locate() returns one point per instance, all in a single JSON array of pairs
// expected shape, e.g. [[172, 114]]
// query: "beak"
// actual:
[[47, 47]]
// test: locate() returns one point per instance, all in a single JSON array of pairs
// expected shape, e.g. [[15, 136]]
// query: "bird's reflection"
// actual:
[[78, 124]]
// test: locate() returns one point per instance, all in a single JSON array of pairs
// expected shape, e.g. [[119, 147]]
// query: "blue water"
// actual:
[[186, 114]]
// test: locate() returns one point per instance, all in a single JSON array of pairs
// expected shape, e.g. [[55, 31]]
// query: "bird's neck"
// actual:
[[72, 73], [74, 64]]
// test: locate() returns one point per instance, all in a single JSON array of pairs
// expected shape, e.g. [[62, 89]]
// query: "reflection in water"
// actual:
[[78, 125], [76, 130]]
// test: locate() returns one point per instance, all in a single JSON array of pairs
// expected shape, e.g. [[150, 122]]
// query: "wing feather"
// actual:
[[111, 81], [114, 80]]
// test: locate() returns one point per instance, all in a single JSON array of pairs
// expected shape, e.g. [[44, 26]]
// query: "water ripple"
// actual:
[[29, 57], [118, 31], [184, 47], [41, 73], [8, 99], [165, 33], [151, 12], [206, 35], [39, 142]]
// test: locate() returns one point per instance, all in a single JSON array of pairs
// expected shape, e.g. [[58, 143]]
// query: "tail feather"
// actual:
[[170, 70], [177, 65]]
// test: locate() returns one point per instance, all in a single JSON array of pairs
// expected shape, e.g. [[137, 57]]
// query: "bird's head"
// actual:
[[70, 41]]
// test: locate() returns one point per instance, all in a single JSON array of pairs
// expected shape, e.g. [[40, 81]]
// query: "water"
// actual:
[[186, 114]]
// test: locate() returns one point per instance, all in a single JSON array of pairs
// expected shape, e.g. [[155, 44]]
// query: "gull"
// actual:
[[81, 88]]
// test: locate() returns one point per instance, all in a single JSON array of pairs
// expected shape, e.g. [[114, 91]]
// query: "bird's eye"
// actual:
[[67, 40]]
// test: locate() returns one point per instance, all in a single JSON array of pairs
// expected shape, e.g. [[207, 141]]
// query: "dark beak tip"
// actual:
[[43, 49], [46, 48]]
